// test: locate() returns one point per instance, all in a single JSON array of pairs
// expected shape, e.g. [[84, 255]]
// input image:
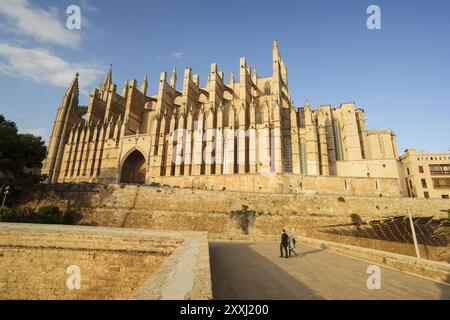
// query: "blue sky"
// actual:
[[400, 75]]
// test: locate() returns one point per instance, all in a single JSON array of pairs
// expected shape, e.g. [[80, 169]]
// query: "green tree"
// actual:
[[20, 156]]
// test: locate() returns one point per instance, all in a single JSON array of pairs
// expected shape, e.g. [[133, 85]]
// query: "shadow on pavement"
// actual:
[[309, 252], [445, 291], [239, 273]]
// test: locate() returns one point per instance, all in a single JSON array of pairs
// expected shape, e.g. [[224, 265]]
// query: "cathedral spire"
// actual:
[[107, 80], [74, 85], [71, 96]]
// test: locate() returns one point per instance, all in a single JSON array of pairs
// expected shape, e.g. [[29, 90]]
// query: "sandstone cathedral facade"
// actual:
[[246, 126]]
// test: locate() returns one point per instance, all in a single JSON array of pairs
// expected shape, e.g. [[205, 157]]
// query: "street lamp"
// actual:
[[413, 230], [5, 194]]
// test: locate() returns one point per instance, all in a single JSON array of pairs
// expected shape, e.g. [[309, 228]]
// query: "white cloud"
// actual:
[[41, 66], [39, 132], [177, 55], [43, 25]]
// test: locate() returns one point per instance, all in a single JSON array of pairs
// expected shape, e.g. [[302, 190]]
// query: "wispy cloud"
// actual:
[[41, 66], [177, 55], [88, 6], [39, 132], [38, 23]]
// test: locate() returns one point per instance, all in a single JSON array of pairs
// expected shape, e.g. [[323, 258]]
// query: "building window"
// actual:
[[303, 162], [426, 195], [267, 88], [421, 169], [445, 196], [441, 183], [424, 183], [338, 142], [438, 169], [407, 170]]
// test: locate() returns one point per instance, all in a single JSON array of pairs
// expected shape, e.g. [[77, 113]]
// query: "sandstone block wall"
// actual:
[[288, 183], [113, 263], [168, 208]]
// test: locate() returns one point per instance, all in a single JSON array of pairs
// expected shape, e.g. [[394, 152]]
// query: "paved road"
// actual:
[[255, 271]]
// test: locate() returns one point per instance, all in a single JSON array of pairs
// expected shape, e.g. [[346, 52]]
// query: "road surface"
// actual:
[[255, 271]]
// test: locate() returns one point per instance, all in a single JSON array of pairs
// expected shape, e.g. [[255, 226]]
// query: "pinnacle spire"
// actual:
[[144, 85], [275, 51], [173, 78], [73, 91], [107, 80], [125, 89], [74, 85], [254, 74]]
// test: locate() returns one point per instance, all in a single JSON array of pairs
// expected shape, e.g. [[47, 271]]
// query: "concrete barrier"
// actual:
[[435, 270]]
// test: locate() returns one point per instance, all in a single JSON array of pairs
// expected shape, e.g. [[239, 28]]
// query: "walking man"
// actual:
[[284, 244]]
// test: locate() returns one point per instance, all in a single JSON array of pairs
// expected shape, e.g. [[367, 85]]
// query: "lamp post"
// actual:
[[5, 194], [413, 230]]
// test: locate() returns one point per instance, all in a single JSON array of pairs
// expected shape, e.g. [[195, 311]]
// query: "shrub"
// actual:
[[49, 214], [19, 215], [7, 215], [356, 219], [71, 217], [25, 215]]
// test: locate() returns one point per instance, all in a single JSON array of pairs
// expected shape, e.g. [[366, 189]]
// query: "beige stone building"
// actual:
[[425, 174], [248, 125]]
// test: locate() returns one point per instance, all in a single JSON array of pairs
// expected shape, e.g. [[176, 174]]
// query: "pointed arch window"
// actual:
[[303, 167], [267, 88]]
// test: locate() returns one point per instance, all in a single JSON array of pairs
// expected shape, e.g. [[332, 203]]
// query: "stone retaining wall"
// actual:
[[113, 263], [287, 183], [171, 208]]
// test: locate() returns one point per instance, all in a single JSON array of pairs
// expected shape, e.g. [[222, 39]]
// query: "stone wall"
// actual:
[[288, 183], [113, 263], [170, 208]]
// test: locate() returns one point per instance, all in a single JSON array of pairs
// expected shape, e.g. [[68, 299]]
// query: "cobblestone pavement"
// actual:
[[255, 271]]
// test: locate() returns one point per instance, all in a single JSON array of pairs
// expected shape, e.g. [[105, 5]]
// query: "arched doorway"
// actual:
[[133, 168]]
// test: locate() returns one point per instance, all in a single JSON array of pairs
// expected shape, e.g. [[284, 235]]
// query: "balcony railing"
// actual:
[[440, 169]]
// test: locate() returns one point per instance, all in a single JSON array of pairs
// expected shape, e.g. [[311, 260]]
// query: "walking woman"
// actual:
[[292, 242]]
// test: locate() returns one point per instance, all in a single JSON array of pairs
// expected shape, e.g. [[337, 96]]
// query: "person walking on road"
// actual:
[[284, 244], [292, 242]]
